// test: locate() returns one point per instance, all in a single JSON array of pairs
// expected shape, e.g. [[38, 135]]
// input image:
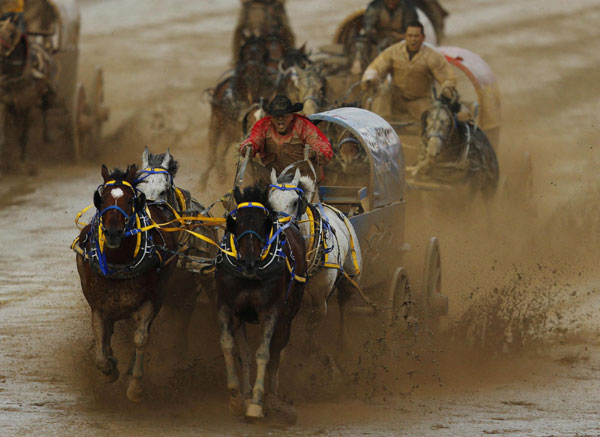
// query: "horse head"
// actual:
[[303, 79], [117, 201], [359, 53], [311, 86], [251, 70], [250, 225], [438, 124], [290, 194], [276, 49], [155, 179]]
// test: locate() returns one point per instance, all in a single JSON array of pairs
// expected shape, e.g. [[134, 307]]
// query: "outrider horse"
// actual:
[[124, 262], [249, 81], [454, 151], [259, 280]]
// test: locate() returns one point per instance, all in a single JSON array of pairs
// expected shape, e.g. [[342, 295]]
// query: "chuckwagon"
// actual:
[[55, 25], [372, 197]]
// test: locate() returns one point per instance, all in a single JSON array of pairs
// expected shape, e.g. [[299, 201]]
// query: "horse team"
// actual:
[[269, 254]]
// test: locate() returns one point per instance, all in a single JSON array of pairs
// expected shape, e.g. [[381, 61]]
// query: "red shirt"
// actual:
[[272, 146]]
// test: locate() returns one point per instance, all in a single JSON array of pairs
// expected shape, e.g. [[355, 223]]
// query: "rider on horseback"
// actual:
[[281, 137], [413, 67], [385, 21], [261, 18]]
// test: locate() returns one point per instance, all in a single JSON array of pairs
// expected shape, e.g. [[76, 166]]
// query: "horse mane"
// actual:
[[294, 56], [156, 161], [118, 174], [253, 193]]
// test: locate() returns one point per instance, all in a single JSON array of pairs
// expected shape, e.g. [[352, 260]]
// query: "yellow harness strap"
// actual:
[[311, 221], [180, 199], [297, 277], [352, 248], [80, 226], [114, 182]]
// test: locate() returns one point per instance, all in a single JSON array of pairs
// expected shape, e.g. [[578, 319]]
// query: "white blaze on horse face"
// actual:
[[116, 193]]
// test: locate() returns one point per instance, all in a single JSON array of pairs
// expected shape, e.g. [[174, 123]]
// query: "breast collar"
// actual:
[[147, 254], [273, 258]]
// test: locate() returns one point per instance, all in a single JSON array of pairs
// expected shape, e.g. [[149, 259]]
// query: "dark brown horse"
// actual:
[[455, 152], [249, 81], [259, 280], [124, 263]]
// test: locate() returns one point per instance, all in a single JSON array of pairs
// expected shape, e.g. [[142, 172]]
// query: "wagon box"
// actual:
[[375, 205], [52, 27]]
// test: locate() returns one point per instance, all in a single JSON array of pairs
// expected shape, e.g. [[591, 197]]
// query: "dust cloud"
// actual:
[[521, 271]]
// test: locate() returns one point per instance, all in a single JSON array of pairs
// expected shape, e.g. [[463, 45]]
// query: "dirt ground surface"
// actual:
[[519, 352]]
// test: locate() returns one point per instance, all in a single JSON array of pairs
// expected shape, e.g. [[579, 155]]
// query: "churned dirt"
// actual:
[[519, 351]]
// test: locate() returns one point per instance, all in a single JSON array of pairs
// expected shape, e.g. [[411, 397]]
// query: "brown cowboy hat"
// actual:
[[281, 105]]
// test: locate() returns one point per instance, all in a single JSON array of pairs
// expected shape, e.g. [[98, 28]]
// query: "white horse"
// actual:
[[334, 241], [156, 181]]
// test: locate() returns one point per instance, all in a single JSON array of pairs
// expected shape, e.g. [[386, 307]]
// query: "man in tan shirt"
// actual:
[[413, 67]]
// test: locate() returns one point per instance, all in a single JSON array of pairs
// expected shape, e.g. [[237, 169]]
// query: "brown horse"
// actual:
[[124, 263], [249, 81], [259, 279]]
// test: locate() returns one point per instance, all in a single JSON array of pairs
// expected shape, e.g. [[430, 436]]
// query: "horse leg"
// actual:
[[245, 356], [142, 317], [273, 403], [345, 291], [318, 291], [255, 409], [103, 330], [236, 403]]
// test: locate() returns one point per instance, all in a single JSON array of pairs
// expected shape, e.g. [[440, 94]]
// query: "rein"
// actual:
[[272, 245], [324, 225], [138, 224]]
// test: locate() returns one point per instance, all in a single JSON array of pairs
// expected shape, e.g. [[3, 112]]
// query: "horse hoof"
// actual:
[[236, 406], [135, 391], [280, 411], [254, 411], [113, 372], [112, 376]]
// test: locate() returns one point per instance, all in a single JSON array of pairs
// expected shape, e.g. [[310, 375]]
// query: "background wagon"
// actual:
[[56, 24], [373, 199]]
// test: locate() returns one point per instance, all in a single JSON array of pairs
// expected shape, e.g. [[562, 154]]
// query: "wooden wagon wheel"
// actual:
[[81, 123], [436, 304], [99, 112], [400, 300]]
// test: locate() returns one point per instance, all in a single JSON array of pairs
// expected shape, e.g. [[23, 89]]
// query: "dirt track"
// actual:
[[520, 355]]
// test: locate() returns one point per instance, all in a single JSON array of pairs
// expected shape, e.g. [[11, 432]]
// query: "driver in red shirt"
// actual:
[[281, 137]]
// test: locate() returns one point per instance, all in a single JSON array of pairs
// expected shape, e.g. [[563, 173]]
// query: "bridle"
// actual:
[[130, 219], [439, 108], [147, 172]]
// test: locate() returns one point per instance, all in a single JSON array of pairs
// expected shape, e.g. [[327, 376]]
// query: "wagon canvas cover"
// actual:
[[383, 148]]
